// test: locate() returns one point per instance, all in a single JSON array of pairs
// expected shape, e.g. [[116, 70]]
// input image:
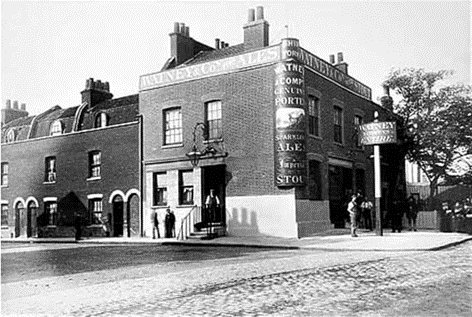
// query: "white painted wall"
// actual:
[[261, 216]]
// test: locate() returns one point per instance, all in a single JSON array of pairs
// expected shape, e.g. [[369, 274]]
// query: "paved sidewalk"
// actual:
[[332, 240]]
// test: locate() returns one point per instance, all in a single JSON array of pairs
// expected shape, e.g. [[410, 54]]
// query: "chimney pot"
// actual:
[[176, 27], [340, 57], [182, 28], [187, 31], [217, 43], [260, 13], [15, 104], [331, 59], [386, 90], [251, 15], [23, 107], [107, 86], [8, 104], [222, 44]]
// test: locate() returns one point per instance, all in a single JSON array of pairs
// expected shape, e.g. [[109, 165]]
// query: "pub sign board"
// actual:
[[376, 133]]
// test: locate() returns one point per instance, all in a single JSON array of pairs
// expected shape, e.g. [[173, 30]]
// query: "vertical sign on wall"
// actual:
[[290, 118]]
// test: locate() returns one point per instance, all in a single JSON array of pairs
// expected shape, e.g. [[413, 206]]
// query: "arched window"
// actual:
[[101, 120], [11, 135], [56, 128]]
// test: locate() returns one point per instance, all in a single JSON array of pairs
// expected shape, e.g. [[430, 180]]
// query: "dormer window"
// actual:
[[11, 134], [101, 120], [56, 128]]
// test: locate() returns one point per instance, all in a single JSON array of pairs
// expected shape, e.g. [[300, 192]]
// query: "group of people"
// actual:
[[360, 210], [169, 224]]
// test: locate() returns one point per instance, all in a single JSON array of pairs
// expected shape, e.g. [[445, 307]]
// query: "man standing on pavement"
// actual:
[[212, 204], [169, 222], [155, 225], [352, 209], [366, 207]]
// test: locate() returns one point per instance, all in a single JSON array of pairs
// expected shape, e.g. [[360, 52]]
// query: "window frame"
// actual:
[[51, 216], [186, 188], [4, 174], [358, 144], [93, 166], [94, 220], [101, 120], [314, 119], [50, 176], [172, 135], [56, 128], [4, 215], [10, 136], [214, 120], [338, 127], [159, 194]]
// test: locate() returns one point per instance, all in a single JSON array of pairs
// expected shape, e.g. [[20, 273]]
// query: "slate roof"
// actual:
[[206, 56]]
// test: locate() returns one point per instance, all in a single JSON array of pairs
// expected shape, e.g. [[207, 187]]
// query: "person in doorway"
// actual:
[[155, 225], [169, 222], [78, 226], [352, 209], [212, 204], [366, 207], [412, 213]]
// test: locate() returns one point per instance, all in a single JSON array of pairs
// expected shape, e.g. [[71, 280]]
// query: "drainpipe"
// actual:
[[140, 155]]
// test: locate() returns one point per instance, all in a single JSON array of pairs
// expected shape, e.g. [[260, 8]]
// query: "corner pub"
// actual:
[[271, 129]]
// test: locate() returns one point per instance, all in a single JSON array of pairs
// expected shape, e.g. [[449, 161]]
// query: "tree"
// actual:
[[437, 122]]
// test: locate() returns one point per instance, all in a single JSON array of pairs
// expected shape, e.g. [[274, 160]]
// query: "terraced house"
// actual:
[[270, 128], [79, 160]]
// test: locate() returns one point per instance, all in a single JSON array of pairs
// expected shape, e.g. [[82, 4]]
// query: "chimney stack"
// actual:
[[256, 32], [10, 114], [95, 92], [217, 44], [386, 101], [331, 59], [341, 65]]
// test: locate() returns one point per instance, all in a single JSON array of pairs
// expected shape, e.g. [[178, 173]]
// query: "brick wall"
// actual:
[[119, 166]]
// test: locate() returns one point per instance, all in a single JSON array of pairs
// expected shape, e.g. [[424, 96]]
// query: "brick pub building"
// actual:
[[80, 160], [275, 130]]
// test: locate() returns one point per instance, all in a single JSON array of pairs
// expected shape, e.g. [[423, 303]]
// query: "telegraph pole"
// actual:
[[377, 184]]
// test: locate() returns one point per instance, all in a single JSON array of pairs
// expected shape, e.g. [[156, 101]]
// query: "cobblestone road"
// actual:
[[275, 283]]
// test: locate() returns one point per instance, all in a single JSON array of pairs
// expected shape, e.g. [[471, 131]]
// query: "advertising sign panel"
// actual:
[[376, 133]]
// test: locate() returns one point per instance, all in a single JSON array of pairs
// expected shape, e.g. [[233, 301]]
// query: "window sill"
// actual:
[[170, 146], [313, 136], [159, 206], [219, 140], [95, 226], [185, 206], [96, 178], [4, 186], [5, 227], [51, 226], [49, 183]]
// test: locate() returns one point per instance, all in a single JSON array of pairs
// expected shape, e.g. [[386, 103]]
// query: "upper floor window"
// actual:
[[56, 128], [186, 187], [50, 172], [173, 126], [159, 189], [338, 124], [313, 115], [357, 122], [11, 135], [51, 212], [4, 174], [95, 163], [4, 215], [95, 209], [213, 120], [101, 120]]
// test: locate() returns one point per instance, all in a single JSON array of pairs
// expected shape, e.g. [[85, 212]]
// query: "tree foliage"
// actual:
[[437, 121]]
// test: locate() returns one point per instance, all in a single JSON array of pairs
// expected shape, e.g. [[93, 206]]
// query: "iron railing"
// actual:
[[187, 225]]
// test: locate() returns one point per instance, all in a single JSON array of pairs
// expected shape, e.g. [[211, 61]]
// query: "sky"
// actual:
[[50, 48]]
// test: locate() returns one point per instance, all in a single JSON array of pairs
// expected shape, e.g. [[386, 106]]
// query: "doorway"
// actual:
[[31, 229], [20, 220], [340, 190], [117, 221], [214, 177]]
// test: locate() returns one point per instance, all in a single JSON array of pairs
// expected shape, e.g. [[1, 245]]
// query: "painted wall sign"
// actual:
[[290, 125], [375, 133], [181, 74], [324, 68]]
